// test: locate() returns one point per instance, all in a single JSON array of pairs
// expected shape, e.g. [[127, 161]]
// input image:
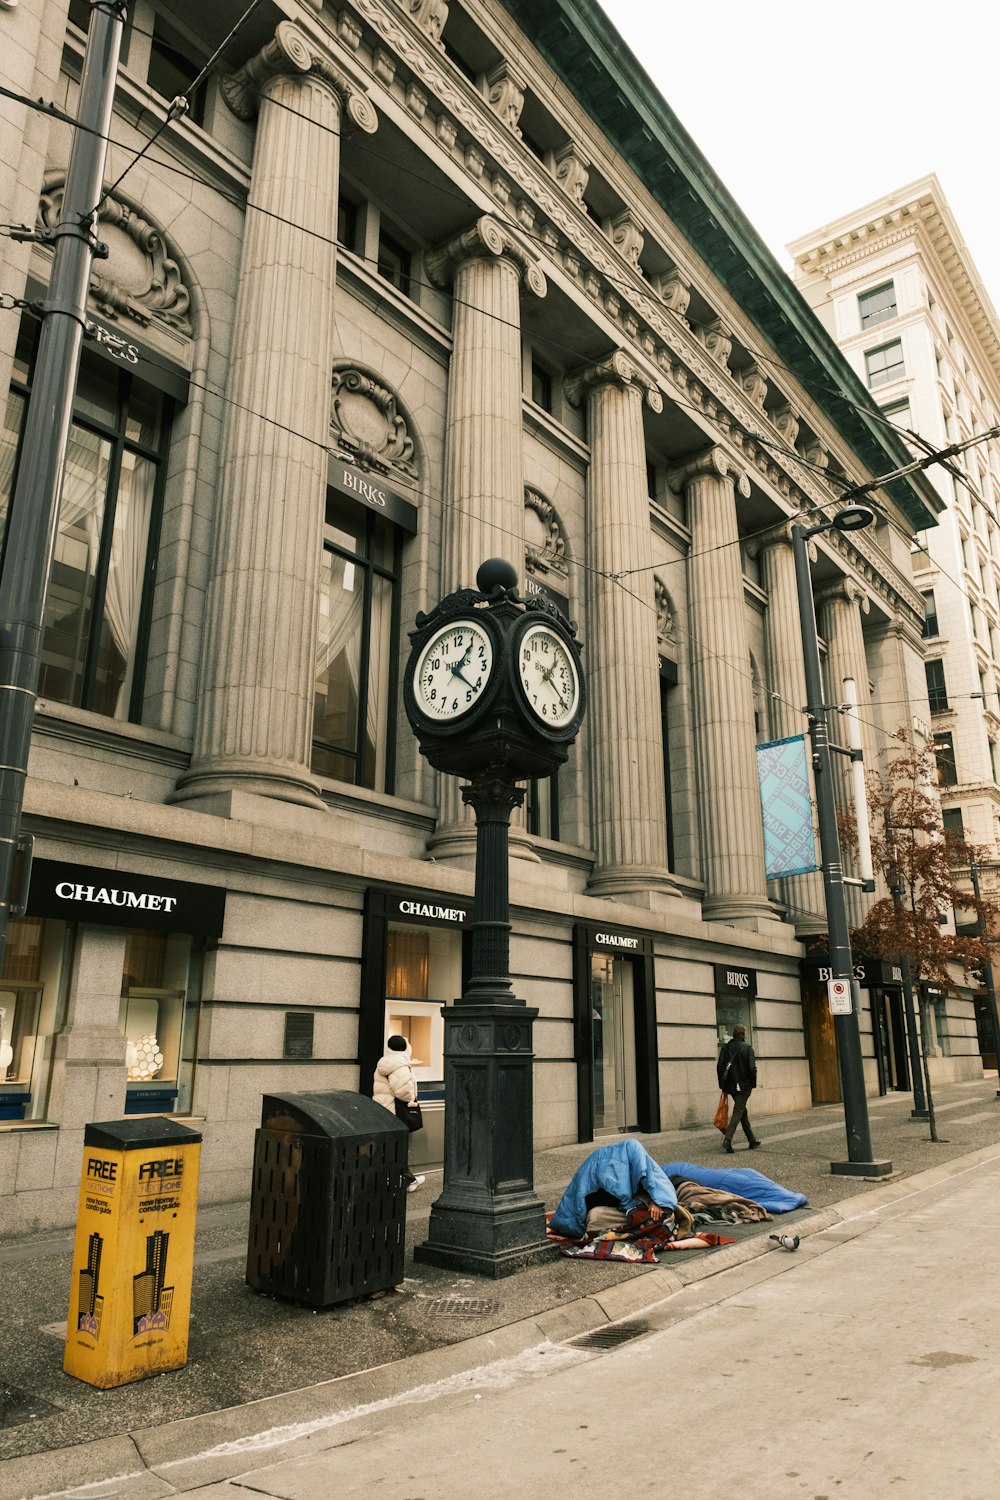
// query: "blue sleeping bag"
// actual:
[[624, 1169], [743, 1181]]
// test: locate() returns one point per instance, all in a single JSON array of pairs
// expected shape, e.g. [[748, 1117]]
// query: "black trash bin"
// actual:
[[328, 1203]]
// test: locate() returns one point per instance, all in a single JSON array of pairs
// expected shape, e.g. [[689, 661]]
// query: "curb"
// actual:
[[152, 1462]]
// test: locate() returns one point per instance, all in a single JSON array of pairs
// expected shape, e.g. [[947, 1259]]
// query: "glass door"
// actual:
[[613, 1031]]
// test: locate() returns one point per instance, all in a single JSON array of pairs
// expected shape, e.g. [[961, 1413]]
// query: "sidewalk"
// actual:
[[257, 1364]]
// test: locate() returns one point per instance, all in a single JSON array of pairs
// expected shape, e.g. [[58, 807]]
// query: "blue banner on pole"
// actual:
[[786, 802]]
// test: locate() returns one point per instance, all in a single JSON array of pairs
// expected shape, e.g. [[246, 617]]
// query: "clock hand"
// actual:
[[547, 677], [457, 672]]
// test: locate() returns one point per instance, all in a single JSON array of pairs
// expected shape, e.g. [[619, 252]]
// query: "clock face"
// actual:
[[548, 675], [453, 671]]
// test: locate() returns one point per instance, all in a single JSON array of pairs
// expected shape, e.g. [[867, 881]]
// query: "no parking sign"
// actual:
[[838, 992]]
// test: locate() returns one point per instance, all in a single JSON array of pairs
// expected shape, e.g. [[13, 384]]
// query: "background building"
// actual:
[[897, 288], [414, 285]]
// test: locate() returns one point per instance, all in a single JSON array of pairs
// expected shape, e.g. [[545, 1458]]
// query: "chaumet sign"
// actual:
[[121, 898]]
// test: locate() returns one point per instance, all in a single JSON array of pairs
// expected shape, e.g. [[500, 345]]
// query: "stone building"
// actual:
[[897, 288], [411, 285]]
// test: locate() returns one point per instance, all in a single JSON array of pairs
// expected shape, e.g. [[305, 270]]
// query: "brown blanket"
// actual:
[[705, 1200]]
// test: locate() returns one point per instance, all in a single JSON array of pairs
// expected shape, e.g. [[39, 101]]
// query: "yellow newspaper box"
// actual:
[[130, 1297]]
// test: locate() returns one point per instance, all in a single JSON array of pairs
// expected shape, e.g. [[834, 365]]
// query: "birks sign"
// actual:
[[869, 973], [372, 492], [731, 980], [117, 898]]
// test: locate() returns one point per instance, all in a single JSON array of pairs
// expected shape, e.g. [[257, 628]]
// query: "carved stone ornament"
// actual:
[[716, 340], [486, 240], [572, 170], [627, 236], [618, 370], [753, 383], [673, 290], [844, 591], [139, 280], [783, 418], [290, 51], [505, 94], [544, 537], [430, 16], [814, 453], [666, 615], [367, 426]]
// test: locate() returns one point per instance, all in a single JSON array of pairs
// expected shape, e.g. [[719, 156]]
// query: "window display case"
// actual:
[[29, 1005], [154, 1016], [423, 972]]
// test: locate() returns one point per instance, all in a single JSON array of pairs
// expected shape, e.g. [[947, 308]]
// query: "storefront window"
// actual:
[[423, 972], [29, 1014], [159, 1017], [99, 586]]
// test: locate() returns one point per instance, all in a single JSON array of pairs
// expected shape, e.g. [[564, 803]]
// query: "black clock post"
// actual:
[[494, 693]]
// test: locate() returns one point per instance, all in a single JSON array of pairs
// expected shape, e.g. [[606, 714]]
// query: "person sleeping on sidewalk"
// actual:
[[612, 1182]]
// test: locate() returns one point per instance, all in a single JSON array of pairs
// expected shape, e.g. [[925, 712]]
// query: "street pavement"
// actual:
[[268, 1382], [858, 1367]]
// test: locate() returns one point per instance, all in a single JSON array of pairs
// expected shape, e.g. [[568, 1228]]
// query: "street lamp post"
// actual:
[[988, 980], [860, 1161]]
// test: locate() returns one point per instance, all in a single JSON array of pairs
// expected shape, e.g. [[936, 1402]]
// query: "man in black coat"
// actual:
[[737, 1070]]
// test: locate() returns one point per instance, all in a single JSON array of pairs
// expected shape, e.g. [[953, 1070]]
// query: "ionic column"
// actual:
[[729, 816], [628, 807], [786, 679], [484, 440], [254, 727], [839, 609]]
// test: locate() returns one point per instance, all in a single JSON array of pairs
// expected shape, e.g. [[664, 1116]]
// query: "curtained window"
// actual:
[[99, 587], [355, 655]]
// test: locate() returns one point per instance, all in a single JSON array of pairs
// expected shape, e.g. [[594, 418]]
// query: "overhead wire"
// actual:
[[616, 578]]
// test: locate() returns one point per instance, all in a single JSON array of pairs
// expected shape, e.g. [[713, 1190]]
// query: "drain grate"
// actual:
[[463, 1307], [18, 1406], [610, 1337]]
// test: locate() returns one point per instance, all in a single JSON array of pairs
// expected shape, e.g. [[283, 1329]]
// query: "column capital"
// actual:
[[617, 369], [778, 535], [847, 590], [486, 239], [290, 52], [711, 463]]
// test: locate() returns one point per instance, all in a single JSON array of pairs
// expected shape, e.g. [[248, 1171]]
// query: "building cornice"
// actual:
[[408, 63], [576, 39], [917, 211]]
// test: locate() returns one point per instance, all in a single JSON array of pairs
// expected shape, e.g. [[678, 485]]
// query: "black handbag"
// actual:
[[409, 1114]]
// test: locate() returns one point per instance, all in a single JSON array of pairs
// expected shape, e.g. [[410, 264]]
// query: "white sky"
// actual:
[[807, 112]]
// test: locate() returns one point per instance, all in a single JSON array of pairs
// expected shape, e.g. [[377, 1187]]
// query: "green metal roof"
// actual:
[[579, 42]]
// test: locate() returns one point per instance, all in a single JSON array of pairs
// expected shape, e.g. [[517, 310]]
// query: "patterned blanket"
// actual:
[[639, 1243]]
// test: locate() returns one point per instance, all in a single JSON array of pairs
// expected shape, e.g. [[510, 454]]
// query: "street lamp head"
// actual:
[[853, 518]]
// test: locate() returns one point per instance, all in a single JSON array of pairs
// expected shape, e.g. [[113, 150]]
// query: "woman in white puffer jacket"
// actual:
[[395, 1079]]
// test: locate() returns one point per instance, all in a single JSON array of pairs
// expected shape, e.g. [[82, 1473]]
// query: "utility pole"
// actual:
[[859, 1146], [34, 510]]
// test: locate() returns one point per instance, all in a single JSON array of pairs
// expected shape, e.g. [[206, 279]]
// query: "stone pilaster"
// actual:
[[255, 722], [628, 806], [729, 816], [786, 677], [839, 610], [88, 1052], [484, 440]]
